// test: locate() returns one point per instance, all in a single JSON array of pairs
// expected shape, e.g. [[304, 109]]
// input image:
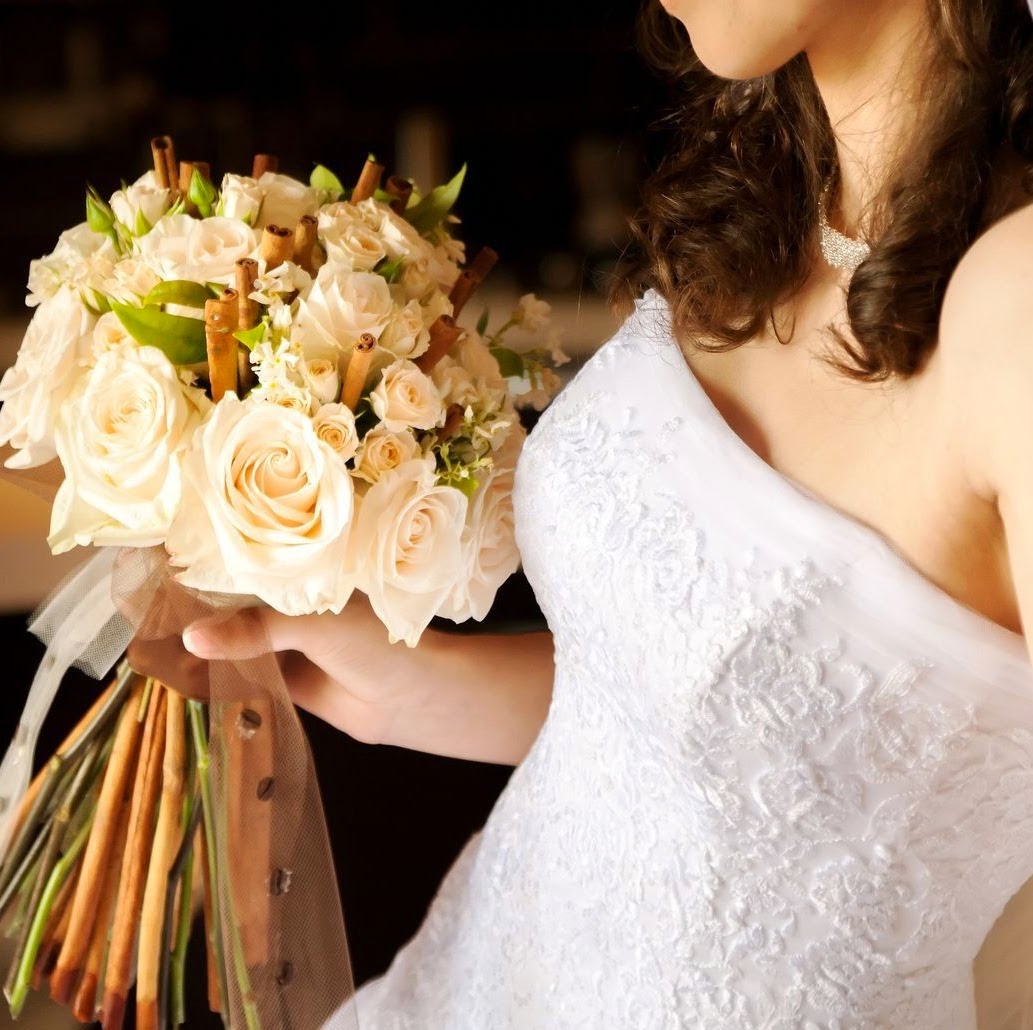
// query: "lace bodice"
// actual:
[[784, 782]]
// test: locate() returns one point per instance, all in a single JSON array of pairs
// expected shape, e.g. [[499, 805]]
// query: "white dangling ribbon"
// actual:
[[81, 626]]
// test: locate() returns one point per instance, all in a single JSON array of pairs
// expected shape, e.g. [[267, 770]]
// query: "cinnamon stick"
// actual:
[[453, 420], [123, 759], [248, 737], [138, 847], [305, 241], [263, 163], [84, 1006], [472, 277], [443, 334], [369, 181], [164, 157], [277, 246], [401, 190], [247, 309], [358, 369], [166, 844], [220, 322]]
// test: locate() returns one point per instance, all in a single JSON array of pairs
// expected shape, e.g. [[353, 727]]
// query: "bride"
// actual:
[[775, 754]]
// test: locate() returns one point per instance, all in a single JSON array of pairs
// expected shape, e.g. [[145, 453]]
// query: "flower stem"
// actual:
[[197, 713]]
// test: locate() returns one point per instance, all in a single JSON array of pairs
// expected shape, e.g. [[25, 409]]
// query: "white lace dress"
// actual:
[[784, 782]]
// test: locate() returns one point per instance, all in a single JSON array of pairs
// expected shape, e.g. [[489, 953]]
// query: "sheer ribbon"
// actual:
[[293, 969]]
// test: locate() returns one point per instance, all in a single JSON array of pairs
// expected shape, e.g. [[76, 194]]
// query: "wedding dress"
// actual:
[[784, 782]]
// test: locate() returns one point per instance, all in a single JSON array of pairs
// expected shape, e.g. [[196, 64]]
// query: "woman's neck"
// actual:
[[869, 68]]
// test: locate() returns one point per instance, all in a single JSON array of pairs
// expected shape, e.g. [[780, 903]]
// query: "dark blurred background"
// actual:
[[550, 106]]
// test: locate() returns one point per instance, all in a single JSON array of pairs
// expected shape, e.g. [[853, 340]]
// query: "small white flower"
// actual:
[[109, 334], [532, 313], [552, 342], [82, 258], [131, 280]]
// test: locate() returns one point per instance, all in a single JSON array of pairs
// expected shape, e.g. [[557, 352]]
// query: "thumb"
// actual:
[[244, 634]]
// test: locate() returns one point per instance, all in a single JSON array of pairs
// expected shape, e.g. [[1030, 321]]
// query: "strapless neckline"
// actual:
[[846, 526]]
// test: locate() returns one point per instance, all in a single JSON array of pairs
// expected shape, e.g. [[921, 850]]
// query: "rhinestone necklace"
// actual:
[[838, 250]]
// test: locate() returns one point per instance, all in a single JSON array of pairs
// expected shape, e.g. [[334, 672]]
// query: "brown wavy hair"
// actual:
[[727, 221]]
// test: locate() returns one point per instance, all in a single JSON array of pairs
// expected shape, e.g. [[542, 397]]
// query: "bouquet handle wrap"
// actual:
[[282, 926], [81, 626]]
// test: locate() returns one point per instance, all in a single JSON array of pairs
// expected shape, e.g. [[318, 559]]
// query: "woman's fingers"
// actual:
[[247, 634]]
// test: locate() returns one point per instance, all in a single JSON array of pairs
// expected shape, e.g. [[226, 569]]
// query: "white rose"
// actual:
[[406, 397], [57, 341], [240, 196], [382, 450], [82, 258], [489, 544], [286, 201], [267, 510], [120, 437], [401, 240], [109, 334], [200, 250], [138, 207], [339, 308], [406, 547], [321, 378], [406, 335], [417, 284], [131, 280], [335, 426], [349, 240]]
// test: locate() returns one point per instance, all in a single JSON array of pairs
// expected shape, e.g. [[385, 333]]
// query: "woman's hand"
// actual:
[[340, 668], [481, 696]]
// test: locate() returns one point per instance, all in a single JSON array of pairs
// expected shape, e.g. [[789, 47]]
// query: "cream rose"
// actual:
[[490, 554], [406, 547], [240, 196], [382, 450], [131, 279], [335, 426], [109, 334], [339, 308], [406, 335], [350, 241], [267, 510], [82, 258], [322, 379], [138, 207], [285, 201], [58, 340], [120, 437], [201, 250], [406, 397]]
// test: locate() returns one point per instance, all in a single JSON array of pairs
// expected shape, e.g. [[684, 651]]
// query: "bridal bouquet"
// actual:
[[266, 384]]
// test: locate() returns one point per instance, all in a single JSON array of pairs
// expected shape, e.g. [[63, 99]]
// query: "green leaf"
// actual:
[[202, 194], [251, 337], [181, 339], [510, 363], [142, 227], [178, 291], [323, 179], [482, 323], [429, 212], [390, 270], [99, 215]]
